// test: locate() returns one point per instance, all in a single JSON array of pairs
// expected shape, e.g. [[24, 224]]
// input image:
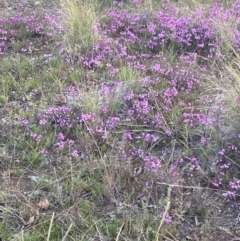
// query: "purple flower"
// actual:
[[222, 152], [74, 153], [42, 122], [60, 136], [61, 145], [24, 122], [128, 136]]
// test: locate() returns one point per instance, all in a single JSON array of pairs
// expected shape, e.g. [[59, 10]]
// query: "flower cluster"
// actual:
[[23, 25]]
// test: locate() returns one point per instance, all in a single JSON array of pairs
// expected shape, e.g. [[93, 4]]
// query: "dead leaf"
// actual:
[[30, 221], [44, 203]]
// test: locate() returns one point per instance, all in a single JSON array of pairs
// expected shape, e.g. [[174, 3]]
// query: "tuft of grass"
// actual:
[[128, 75], [91, 101], [225, 87], [80, 18]]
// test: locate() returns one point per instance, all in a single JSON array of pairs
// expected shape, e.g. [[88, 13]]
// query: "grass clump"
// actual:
[[80, 23]]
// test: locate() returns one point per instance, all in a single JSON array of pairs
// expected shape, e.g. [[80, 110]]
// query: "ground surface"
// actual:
[[92, 197]]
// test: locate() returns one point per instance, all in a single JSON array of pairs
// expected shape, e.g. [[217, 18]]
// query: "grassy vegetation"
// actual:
[[119, 120]]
